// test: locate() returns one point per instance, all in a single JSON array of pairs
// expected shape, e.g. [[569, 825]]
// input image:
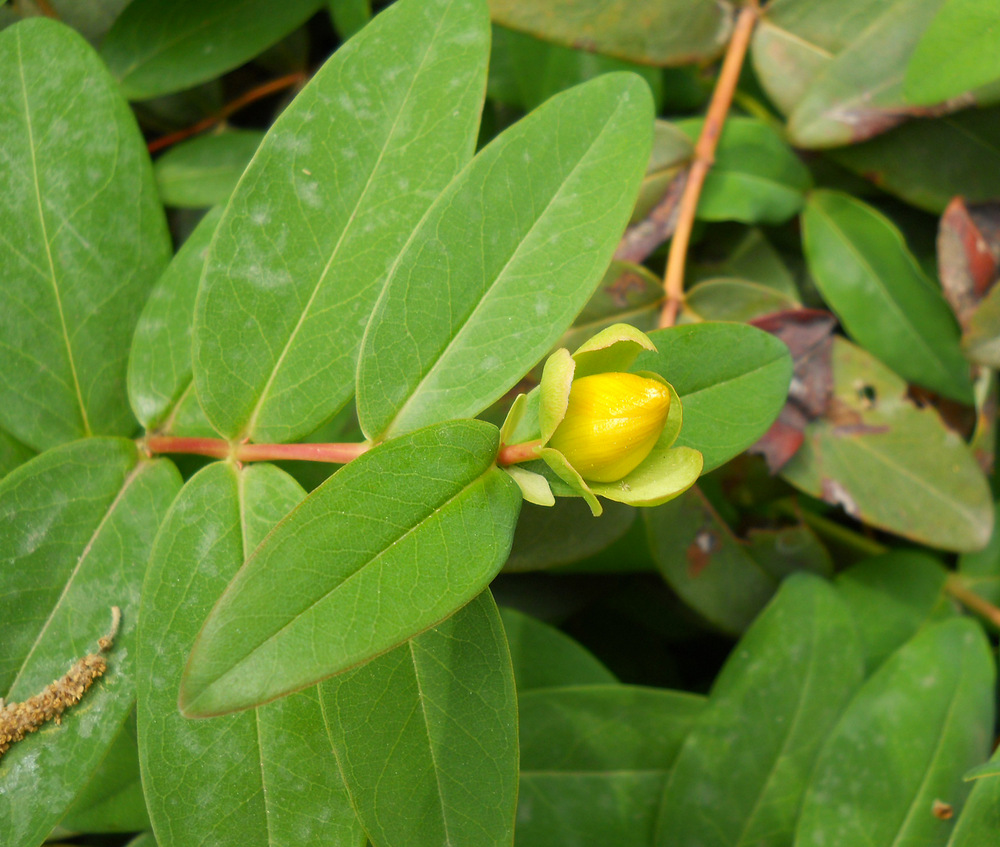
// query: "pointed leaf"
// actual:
[[258, 760], [652, 32], [82, 238], [754, 745], [332, 195], [391, 544], [76, 527], [904, 742], [426, 735], [977, 825], [159, 367], [204, 171], [544, 657], [515, 246], [159, 46], [731, 378], [870, 279], [593, 762]]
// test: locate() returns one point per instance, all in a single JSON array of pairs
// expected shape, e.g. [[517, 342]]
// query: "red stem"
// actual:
[[512, 454], [218, 448]]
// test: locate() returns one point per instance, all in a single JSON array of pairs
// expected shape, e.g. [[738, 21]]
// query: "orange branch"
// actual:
[[258, 93], [704, 157]]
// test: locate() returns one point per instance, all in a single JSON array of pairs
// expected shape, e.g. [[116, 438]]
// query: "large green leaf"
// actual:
[[980, 570], [257, 761], [76, 528], [82, 238], [889, 463], [159, 367], [594, 760], [159, 46], [908, 160], [334, 191], [891, 597], [732, 379], [391, 544], [979, 822], [426, 735], [904, 742], [204, 171], [654, 32], [514, 246], [958, 52], [740, 775], [544, 657], [872, 282], [12, 453], [756, 176]]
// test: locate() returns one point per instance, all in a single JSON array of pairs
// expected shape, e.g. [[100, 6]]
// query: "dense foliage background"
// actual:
[[232, 230]]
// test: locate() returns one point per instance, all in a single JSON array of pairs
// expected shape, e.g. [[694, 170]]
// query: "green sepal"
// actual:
[[515, 416], [524, 424], [568, 474], [557, 379], [612, 350], [666, 473], [534, 487]]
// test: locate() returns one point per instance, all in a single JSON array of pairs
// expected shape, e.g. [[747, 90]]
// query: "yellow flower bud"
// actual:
[[612, 423]]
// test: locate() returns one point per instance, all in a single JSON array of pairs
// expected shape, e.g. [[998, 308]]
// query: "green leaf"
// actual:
[[112, 801], [909, 163], [544, 657], [756, 176], [257, 761], [980, 570], [349, 16], [332, 195], [740, 775], [76, 527], [904, 742], [426, 735], [978, 823], [892, 465], [672, 149], [981, 339], [752, 258], [708, 567], [593, 762], [872, 282], [727, 299], [548, 536], [12, 453], [160, 46], [82, 238], [204, 171], [159, 368], [959, 51], [515, 245], [391, 544], [731, 378], [651, 32], [891, 597]]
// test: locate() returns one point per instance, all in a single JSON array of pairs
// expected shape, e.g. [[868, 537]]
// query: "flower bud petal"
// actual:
[[612, 423]]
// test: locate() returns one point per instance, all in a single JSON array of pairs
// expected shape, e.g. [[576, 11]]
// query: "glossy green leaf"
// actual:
[[593, 762], [738, 300], [391, 544], [526, 71], [731, 378], [743, 768], [891, 464], [12, 453], [928, 162], [980, 819], [891, 597], [82, 238], [76, 527], [259, 760], [958, 52], [756, 176], [349, 16], [515, 245], [113, 800], [331, 197], [548, 536], [869, 278], [159, 46], [204, 171], [980, 570], [651, 32], [904, 742], [544, 657], [426, 735], [709, 568], [159, 368]]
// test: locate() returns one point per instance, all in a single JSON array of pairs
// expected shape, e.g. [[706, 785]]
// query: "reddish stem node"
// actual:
[[512, 454]]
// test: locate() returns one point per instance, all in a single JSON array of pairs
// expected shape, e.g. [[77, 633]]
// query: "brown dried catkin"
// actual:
[[19, 719]]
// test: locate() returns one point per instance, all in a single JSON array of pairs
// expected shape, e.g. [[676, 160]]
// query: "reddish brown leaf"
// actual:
[[968, 254]]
